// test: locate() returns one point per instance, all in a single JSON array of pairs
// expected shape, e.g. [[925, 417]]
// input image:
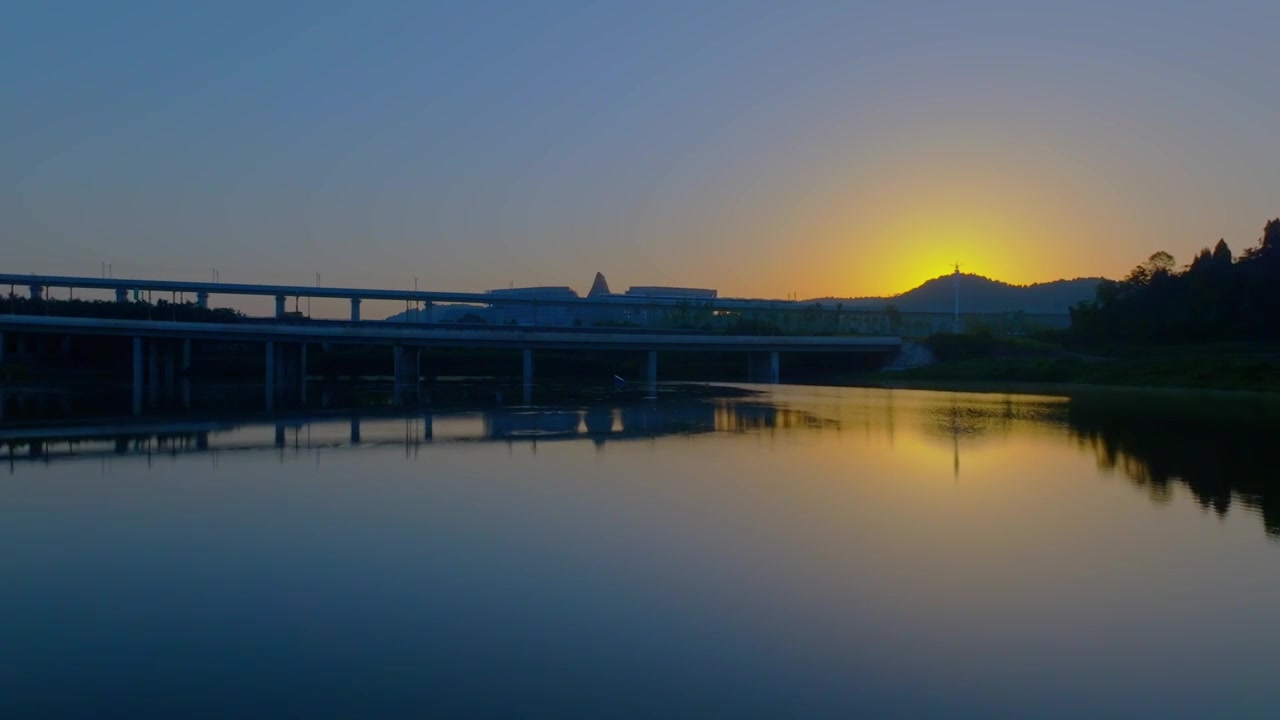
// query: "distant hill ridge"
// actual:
[[980, 294]]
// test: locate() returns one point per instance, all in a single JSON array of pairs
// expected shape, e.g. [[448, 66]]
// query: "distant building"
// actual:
[[547, 305], [656, 291], [550, 306], [599, 288]]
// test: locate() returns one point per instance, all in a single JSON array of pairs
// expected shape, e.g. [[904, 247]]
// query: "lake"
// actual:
[[801, 552]]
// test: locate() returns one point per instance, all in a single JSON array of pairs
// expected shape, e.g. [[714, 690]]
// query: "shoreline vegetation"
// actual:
[[978, 359], [1212, 325]]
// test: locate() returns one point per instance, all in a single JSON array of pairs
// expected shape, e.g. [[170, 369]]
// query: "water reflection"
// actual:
[[1216, 449], [811, 552], [192, 434]]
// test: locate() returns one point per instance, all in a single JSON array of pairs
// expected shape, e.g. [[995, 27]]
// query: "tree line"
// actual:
[[1217, 298]]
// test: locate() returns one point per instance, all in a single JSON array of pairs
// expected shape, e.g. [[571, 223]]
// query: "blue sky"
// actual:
[[760, 148]]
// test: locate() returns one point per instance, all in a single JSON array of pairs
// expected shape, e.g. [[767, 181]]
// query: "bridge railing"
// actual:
[[692, 317]]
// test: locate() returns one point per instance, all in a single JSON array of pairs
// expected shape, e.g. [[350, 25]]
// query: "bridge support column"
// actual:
[[763, 368], [279, 306], [407, 367], [1, 348], [202, 300], [122, 295], [271, 375], [652, 375], [36, 292], [302, 373], [184, 372], [355, 431], [355, 309], [137, 376], [285, 368], [279, 435], [170, 361], [153, 372], [528, 376]]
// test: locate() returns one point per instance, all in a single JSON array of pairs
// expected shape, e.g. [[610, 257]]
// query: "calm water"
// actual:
[[811, 552]]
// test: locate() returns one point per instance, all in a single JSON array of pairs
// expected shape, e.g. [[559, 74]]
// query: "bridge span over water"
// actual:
[[161, 349]]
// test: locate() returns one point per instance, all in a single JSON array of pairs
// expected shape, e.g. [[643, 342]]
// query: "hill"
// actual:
[[981, 295]]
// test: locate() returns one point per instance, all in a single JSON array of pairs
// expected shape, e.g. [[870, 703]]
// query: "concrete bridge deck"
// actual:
[[376, 333], [37, 283]]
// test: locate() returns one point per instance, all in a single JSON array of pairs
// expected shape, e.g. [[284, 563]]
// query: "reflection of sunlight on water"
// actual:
[[922, 434], [814, 533]]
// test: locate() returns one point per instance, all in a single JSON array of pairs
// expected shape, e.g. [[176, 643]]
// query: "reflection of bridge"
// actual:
[[163, 348], [184, 436]]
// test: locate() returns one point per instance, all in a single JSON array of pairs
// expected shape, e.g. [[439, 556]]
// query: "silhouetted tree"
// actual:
[[1212, 299]]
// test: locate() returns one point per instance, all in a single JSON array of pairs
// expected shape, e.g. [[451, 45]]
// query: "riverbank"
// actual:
[[1204, 368]]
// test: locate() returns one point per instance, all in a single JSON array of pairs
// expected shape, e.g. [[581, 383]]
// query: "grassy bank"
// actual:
[[971, 359], [1240, 373]]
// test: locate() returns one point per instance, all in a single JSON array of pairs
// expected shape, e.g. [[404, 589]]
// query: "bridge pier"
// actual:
[[355, 430], [170, 361], [161, 370], [302, 373], [271, 375], [763, 368], [202, 300], [355, 309], [137, 375], [652, 375], [407, 371], [153, 373], [285, 371], [1, 348], [279, 306], [37, 292], [122, 295], [284, 368], [528, 376], [185, 371]]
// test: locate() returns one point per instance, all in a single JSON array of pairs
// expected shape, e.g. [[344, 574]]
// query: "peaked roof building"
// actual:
[[599, 287]]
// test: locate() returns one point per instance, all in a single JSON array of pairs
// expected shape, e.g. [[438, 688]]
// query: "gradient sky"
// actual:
[[760, 148]]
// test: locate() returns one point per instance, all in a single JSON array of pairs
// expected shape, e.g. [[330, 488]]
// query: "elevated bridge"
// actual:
[[163, 347]]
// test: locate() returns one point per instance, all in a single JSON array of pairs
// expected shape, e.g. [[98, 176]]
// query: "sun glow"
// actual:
[[900, 247]]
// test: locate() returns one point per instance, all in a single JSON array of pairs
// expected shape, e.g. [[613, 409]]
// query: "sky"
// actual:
[[760, 148]]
